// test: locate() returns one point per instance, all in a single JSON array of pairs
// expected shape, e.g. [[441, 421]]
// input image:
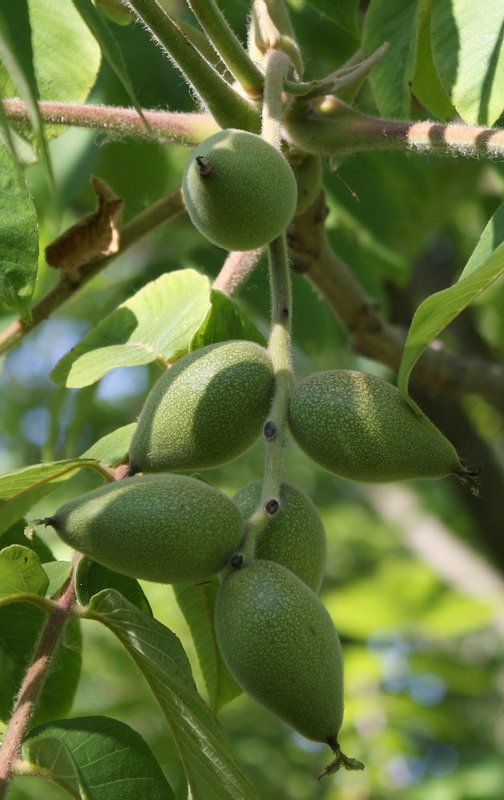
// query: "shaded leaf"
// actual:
[[109, 47], [485, 265], [468, 51], [211, 770], [20, 627], [157, 323], [20, 572], [16, 535], [91, 578], [197, 603], [97, 758], [344, 12], [57, 572], [20, 490], [113, 448], [396, 22], [225, 321], [18, 238], [426, 85]]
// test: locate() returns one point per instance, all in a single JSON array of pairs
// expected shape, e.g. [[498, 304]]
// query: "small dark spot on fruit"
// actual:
[[270, 430], [271, 506], [236, 560]]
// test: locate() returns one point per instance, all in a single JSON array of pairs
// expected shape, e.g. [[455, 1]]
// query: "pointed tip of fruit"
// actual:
[[471, 477]]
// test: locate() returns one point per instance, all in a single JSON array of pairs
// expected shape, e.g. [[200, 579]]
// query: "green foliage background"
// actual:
[[423, 644]]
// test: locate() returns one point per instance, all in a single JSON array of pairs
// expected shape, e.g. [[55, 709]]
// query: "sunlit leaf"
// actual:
[[225, 321], [157, 323], [20, 490], [20, 572], [113, 448], [426, 85], [97, 758], [468, 51]]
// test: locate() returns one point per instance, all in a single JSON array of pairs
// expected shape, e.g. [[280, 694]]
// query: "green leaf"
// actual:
[[197, 603], [113, 448], [66, 54], [157, 323], [109, 47], [343, 12], [57, 573], [211, 770], [396, 22], [485, 265], [17, 54], [468, 51], [20, 627], [21, 572], [426, 85], [97, 758], [91, 578], [20, 490], [225, 321], [18, 238]]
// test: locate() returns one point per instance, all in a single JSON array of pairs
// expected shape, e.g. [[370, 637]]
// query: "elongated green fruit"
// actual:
[[359, 427], [162, 528], [239, 191], [280, 643], [294, 536], [206, 410]]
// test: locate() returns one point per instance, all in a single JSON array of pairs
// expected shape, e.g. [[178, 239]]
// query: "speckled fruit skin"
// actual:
[[359, 427], [239, 191], [280, 643], [294, 537], [162, 528], [206, 410]]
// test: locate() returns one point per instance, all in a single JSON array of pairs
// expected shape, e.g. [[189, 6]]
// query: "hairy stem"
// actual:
[[331, 127], [33, 683], [139, 226], [228, 108], [188, 129], [235, 270], [277, 64], [228, 46]]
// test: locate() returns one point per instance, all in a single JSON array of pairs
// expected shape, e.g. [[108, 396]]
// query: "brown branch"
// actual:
[[369, 333], [33, 683], [139, 226]]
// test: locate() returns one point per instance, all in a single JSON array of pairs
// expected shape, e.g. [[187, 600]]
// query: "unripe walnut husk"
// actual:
[[240, 192]]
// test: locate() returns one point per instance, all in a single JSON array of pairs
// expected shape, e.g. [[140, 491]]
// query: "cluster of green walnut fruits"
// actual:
[[274, 633]]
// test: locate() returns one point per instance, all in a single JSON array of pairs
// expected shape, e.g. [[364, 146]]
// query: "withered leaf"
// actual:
[[94, 236]]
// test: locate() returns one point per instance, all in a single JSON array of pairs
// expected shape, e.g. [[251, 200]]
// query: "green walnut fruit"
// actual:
[[239, 191], [294, 536], [208, 408], [359, 427], [162, 528], [281, 646]]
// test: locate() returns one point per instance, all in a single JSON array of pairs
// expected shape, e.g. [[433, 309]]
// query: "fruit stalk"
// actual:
[[277, 64]]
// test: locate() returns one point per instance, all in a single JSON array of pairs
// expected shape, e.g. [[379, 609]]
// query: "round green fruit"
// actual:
[[294, 536], [239, 191], [162, 528], [359, 427], [208, 408], [280, 644]]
